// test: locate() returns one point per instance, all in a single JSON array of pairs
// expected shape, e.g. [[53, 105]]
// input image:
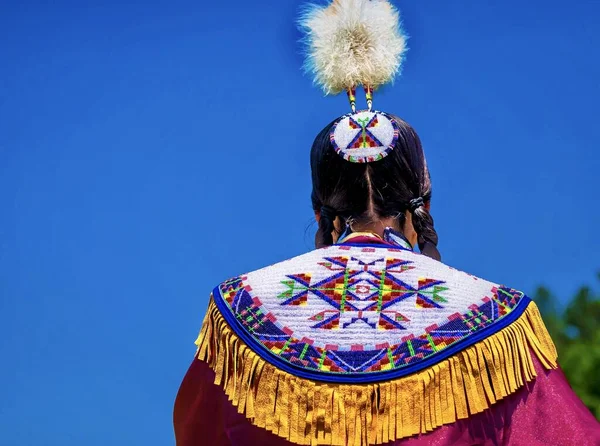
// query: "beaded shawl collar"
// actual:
[[364, 310], [366, 342]]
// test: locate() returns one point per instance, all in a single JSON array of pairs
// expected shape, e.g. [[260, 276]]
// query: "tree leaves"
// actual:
[[576, 333]]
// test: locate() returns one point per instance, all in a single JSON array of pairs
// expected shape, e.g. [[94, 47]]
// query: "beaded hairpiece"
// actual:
[[353, 43]]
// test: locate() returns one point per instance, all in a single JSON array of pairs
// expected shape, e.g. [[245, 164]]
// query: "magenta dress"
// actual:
[[546, 412], [367, 342]]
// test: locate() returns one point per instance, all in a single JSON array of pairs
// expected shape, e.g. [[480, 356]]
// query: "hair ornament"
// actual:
[[353, 43], [365, 136]]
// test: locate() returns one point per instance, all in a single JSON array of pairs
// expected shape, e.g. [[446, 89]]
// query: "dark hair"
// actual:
[[368, 191]]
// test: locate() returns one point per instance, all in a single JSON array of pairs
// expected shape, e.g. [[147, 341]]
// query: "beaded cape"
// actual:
[[367, 342]]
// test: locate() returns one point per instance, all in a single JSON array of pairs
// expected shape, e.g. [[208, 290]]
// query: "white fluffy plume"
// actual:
[[353, 42]]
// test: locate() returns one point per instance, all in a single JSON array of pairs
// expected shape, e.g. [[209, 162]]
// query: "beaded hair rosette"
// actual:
[[365, 136], [352, 43]]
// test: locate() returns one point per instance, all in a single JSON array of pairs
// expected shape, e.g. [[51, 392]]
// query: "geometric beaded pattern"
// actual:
[[358, 310], [364, 136]]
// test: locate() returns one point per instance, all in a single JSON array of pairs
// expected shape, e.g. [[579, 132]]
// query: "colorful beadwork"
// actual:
[[362, 310], [365, 136], [361, 292]]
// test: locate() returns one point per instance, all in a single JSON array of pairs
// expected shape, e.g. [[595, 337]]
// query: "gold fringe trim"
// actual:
[[310, 412]]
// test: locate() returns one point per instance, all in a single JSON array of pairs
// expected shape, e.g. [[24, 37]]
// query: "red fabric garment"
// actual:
[[545, 412]]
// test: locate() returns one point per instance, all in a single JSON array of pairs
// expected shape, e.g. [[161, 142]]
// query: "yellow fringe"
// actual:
[[314, 413]]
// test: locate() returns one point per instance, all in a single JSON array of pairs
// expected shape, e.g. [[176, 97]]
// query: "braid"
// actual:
[[326, 227], [427, 235]]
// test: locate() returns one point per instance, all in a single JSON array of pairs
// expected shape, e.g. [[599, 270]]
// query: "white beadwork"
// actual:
[[364, 136], [463, 291]]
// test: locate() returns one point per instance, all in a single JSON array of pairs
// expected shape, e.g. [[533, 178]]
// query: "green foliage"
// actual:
[[576, 333]]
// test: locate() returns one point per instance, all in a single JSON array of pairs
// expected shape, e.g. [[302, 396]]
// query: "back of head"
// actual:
[[364, 193]]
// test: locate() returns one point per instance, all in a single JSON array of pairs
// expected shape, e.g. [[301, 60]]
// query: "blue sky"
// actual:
[[150, 150]]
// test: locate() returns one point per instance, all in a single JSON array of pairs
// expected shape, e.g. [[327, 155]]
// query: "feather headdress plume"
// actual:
[[353, 42]]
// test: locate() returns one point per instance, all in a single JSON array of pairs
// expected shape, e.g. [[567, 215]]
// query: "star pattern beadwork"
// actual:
[[361, 292]]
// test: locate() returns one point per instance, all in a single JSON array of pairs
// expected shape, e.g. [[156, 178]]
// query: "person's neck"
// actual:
[[377, 228]]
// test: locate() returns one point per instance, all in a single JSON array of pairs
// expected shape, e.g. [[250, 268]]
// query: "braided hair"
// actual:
[[368, 192]]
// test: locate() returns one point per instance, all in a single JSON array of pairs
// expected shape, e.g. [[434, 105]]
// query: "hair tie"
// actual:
[[415, 204], [328, 213]]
